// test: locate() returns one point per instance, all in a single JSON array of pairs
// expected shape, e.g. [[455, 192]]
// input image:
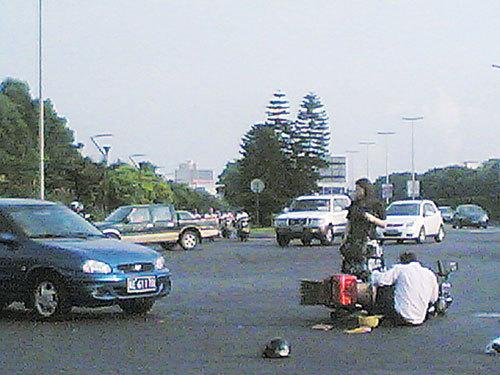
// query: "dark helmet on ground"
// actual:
[[493, 347], [277, 348]]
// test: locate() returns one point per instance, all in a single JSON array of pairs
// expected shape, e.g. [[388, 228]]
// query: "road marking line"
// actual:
[[487, 315]]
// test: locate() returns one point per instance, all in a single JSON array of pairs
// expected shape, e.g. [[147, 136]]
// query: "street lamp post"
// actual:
[[134, 163], [385, 134], [351, 169], [104, 150], [367, 144], [41, 126], [412, 120]]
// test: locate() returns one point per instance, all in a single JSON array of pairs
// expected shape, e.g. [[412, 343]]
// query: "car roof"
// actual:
[[408, 201], [25, 202], [144, 205], [469, 205], [323, 196]]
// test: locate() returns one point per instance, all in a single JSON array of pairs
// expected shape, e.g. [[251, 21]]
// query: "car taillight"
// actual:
[[344, 289]]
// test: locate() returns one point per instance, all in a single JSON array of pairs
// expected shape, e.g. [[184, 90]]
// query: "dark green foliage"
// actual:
[[263, 157], [455, 185], [312, 132], [70, 176]]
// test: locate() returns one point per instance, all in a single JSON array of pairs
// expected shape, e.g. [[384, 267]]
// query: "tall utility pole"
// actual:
[[350, 170], [41, 126], [412, 120], [367, 144], [385, 134]]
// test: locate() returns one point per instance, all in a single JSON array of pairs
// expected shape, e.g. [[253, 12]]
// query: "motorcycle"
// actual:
[[347, 293], [227, 228], [243, 229]]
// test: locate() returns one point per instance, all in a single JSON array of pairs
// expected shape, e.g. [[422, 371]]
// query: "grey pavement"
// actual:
[[229, 298]]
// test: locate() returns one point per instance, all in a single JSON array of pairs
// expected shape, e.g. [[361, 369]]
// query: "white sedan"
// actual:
[[412, 220]]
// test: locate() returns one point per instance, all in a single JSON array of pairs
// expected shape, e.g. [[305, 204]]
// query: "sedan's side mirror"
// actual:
[[7, 238]]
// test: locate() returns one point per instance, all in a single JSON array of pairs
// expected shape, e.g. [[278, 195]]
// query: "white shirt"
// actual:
[[416, 287]]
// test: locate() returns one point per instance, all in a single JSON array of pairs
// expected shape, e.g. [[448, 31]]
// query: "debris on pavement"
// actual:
[[359, 330], [322, 327]]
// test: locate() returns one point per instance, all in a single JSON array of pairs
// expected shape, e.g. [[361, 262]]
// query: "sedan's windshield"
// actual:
[[446, 210], [310, 205], [408, 209], [470, 210], [56, 221], [118, 215]]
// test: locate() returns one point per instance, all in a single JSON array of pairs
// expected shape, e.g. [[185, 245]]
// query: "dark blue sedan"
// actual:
[[52, 259]]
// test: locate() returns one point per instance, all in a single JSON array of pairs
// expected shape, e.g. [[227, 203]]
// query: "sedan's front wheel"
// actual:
[[49, 298], [137, 306], [440, 235]]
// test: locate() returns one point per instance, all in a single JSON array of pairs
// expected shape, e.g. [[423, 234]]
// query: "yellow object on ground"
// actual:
[[371, 321], [359, 330]]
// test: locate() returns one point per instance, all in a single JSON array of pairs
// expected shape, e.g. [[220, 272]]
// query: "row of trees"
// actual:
[[69, 175], [285, 154], [455, 185]]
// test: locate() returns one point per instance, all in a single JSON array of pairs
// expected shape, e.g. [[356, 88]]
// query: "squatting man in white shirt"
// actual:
[[415, 287]]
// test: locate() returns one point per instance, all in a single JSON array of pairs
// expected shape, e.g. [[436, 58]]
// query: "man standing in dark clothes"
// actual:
[[364, 215]]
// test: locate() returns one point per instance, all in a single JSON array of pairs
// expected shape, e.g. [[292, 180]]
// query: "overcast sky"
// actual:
[[180, 80]]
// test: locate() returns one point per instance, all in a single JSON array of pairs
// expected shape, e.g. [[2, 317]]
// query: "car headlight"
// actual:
[[316, 222], [409, 224], [160, 263], [94, 266]]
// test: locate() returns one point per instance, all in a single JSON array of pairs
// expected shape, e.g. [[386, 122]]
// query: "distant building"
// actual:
[[333, 178], [198, 179], [472, 164]]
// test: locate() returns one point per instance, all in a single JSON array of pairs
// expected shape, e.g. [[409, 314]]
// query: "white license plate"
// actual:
[[141, 284], [393, 232]]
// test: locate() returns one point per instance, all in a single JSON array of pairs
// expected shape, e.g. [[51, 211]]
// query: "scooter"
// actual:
[[243, 229]]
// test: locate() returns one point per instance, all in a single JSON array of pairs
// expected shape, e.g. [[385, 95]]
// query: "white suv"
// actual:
[[311, 217], [412, 220]]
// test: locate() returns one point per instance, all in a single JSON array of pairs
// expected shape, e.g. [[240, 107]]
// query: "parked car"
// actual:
[[155, 223], [447, 213], [412, 220], [470, 215], [311, 217], [52, 259]]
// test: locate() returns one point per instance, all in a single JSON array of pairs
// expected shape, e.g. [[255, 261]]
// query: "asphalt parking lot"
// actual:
[[229, 298]]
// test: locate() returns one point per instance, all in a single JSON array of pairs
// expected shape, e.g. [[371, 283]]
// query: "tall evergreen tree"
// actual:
[[278, 112], [312, 131]]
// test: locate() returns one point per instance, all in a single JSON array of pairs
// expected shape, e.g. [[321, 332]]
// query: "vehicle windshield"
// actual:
[[118, 215], [407, 209], [446, 210], [310, 205], [56, 221], [470, 210], [185, 215]]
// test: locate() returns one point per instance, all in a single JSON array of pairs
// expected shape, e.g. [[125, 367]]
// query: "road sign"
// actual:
[[387, 191], [413, 188], [257, 186]]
